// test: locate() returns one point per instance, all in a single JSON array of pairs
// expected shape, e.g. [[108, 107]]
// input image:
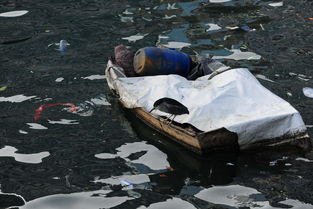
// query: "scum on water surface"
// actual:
[[93, 158]]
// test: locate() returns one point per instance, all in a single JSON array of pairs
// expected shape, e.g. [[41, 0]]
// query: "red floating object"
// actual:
[[42, 107]]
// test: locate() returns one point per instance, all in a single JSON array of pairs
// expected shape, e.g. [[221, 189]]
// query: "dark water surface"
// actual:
[[94, 158]]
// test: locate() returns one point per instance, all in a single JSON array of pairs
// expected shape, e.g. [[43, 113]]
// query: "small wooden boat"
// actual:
[[194, 139]]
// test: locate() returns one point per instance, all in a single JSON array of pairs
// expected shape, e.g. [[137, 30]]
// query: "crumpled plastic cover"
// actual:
[[234, 100]]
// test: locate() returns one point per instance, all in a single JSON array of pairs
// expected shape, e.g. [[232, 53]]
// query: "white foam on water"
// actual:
[[276, 4], [167, 17], [241, 196], [36, 126], [304, 159], [36, 158], [239, 55], [14, 13], [171, 6], [153, 158], [64, 122], [170, 204], [126, 19], [219, 1], [106, 156], [16, 98], [308, 92], [81, 200], [127, 12], [232, 195], [22, 132], [212, 27], [263, 77], [94, 77], [100, 100], [176, 44], [59, 79], [296, 204], [117, 180], [135, 38]]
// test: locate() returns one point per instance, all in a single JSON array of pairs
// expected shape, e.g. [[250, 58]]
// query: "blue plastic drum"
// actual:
[[161, 61]]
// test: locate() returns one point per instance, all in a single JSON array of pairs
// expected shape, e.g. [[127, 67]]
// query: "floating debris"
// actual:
[[59, 79], [14, 13], [276, 4], [308, 92], [3, 88], [42, 107], [62, 45], [304, 159]]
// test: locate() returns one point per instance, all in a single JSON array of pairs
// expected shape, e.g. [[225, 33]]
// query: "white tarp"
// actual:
[[233, 99]]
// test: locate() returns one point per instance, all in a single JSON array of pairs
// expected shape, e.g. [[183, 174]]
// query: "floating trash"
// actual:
[[62, 45], [3, 88], [304, 159], [13, 13], [42, 107], [245, 28], [59, 79], [22, 132], [308, 92], [276, 4]]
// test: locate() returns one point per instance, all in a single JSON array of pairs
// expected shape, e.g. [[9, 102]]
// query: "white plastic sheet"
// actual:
[[234, 100]]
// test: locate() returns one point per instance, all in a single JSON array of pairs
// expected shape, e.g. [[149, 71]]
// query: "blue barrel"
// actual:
[[161, 61]]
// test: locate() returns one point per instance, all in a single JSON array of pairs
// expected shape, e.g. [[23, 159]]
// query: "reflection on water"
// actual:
[[93, 158]]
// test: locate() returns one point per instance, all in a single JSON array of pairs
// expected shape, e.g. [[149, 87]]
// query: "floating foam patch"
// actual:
[[135, 38], [16, 98], [169, 204], [239, 55], [91, 200], [36, 158], [276, 4], [153, 158], [308, 92], [94, 77], [125, 180], [36, 126], [14, 13], [64, 122], [59, 79], [176, 44]]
